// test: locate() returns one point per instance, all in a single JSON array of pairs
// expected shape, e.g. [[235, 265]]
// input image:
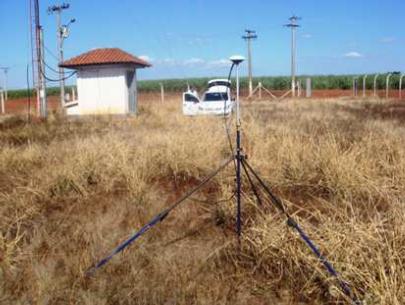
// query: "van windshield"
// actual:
[[219, 83], [215, 96]]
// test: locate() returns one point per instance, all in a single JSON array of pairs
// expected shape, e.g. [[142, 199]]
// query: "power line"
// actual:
[[51, 53], [53, 69], [59, 79]]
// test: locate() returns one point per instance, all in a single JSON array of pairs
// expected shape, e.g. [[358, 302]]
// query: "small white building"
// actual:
[[106, 82]]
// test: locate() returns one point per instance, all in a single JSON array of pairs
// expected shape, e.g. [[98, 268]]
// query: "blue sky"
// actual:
[[188, 38]]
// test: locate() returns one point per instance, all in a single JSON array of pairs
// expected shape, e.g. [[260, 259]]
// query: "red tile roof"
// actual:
[[105, 56]]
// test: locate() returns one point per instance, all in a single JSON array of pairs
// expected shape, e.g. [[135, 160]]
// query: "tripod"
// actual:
[[241, 163]]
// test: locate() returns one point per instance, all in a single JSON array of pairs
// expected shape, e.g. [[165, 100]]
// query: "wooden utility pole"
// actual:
[[250, 35], [293, 26]]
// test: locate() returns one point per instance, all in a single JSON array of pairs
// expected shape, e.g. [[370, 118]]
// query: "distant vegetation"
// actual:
[[22, 93], [319, 82]]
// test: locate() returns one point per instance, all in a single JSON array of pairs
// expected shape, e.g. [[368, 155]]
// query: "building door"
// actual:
[[130, 81]]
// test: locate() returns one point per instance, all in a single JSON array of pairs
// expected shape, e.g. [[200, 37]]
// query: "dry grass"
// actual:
[[71, 190]]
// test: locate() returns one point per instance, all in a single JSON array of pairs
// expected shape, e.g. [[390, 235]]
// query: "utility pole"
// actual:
[[250, 35], [293, 25], [43, 105], [38, 59], [5, 70], [62, 33]]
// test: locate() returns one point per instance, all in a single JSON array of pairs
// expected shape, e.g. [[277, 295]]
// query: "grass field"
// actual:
[[70, 190]]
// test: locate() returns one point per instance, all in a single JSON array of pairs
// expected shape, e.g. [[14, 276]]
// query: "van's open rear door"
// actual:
[[191, 102]]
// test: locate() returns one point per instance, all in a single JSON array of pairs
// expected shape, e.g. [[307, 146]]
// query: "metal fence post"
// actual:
[[387, 85], [364, 85], [2, 102], [375, 84], [162, 93], [260, 90], [355, 85], [73, 94]]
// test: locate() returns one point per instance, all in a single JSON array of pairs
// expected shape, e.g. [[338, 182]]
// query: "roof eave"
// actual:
[[78, 66]]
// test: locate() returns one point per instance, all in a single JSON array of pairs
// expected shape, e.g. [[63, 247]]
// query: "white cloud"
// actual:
[[198, 41], [306, 36], [193, 61], [146, 58], [166, 62], [353, 54], [219, 63], [389, 39]]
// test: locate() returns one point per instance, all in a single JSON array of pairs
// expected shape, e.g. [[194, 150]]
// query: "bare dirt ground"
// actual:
[[25, 105], [22, 105]]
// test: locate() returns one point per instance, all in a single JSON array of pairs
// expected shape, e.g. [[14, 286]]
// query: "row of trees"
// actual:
[[319, 82]]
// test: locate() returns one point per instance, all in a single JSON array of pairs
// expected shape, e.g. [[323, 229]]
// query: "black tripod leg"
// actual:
[[276, 201], [253, 186], [292, 223]]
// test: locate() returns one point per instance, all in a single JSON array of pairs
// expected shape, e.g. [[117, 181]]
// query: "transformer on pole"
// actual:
[[293, 26], [62, 34]]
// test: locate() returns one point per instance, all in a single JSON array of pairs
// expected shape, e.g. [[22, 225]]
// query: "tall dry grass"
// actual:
[[70, 190]]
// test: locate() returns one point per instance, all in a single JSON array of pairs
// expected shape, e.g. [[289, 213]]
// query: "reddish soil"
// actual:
[[334, 93], [21, 105]]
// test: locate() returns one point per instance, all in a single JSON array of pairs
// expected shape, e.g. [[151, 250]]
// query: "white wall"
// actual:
[[102, 90]]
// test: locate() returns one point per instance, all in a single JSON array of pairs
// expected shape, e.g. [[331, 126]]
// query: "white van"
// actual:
[[216, 100]]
